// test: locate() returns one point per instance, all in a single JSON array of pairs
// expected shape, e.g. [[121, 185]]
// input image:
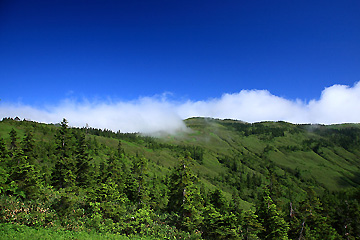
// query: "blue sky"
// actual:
[[106, 53]]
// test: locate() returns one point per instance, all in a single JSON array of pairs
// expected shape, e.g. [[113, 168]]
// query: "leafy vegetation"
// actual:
[[221, 179]]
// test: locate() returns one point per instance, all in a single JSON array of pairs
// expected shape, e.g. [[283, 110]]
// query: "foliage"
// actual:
[[62, 182]]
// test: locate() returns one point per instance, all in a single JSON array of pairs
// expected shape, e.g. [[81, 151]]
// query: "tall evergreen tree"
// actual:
[[218, 200], [28, 145], [251, 227], [64, 173], [218, 225], [13, 141], [314, 225], [22, 174], [4, 154], [4, 158], [82, 159], [137, 187], [110, 201], [271, 219], [184, 195], [120, 150], [63, 140]]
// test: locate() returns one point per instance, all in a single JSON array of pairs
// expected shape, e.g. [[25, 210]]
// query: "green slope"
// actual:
[[325, 156], [201, 181]]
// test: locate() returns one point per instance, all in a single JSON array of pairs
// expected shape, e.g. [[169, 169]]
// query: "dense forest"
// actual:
[[220, 179]]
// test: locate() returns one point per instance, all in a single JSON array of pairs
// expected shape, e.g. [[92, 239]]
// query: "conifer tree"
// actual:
[[351, 226], [82, 158], [115, 170], [137, 187], [251, 227], [219, 222], [64, 172], [313, 223], [158, 194], [4, 154], [274, 224], [120, 150], [218, 225], [218, 200], [184, 195], [28, 145], [24, 175], [63, 140], [111, 202], [4, 158], [13, 142]]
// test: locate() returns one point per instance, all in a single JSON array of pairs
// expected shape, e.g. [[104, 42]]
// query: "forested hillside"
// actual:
[[220, 179]]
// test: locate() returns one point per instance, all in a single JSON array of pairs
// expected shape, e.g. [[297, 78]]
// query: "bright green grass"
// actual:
[[18, 232], [5, 129]]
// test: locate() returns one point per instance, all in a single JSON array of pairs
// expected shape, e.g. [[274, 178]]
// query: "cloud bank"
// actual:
[[337, 104]]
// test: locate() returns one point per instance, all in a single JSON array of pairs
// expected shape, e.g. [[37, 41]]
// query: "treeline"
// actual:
[[71, 182], [196, 152], [248, 129]]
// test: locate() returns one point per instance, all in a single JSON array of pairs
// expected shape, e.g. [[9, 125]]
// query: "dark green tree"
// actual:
[[13, 141], [107, 201], [275, 227], [82, 158], [137, 187], [4, 154], [218, 200], [28, 145], [64, 140], [24, 175], [158, 194], [4, 159], [314, 224], [120, 150], [218, 225], [251, 227], [184, 195], [219, 222], [64, 173]]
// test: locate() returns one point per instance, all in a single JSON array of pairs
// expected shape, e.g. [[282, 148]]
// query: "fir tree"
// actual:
[[218, 225], [4, 154], [28, 145], [120, 150], [4, 158], [82, 159], [110, 201], [64, 173], [184, 195], [13, 142], [218, 200], [251, 227], [137, 187], [23, 173], [274, 224], [313, 223]]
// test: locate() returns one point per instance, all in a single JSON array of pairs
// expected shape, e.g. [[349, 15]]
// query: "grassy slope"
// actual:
[[334, 167], [19, 232]]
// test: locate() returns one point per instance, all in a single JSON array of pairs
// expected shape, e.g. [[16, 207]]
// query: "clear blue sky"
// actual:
[[122, 50]]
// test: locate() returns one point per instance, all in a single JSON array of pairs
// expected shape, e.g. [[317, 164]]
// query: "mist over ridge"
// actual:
[[337, 104]]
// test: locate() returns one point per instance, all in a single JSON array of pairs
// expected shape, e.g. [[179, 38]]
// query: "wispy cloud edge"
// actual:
[[337, 104]]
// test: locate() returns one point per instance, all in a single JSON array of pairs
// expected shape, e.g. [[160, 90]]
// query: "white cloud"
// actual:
[[337, 104], [247, 105]]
